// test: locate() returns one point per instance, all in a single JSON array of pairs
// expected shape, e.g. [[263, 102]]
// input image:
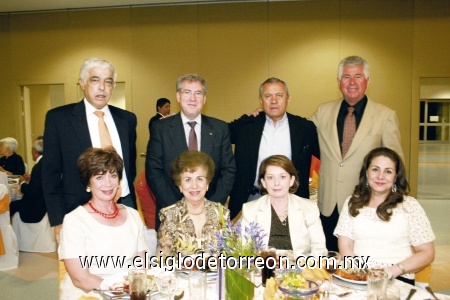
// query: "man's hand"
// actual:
[[57, 229], [25, 178], [255, 113]]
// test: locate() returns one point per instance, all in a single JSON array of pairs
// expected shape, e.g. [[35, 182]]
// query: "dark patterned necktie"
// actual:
[[349, 130], [192, 137]]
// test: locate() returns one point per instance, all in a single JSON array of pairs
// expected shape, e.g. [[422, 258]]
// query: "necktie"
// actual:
[[192, 137], [105, 138], [105, 141], [349, 130]]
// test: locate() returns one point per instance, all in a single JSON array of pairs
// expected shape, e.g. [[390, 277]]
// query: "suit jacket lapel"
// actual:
[[80, 126], [122, 130], [331, 128], [254, 140], [264, 213], [176, 132], [296, 139], [207, 135], [294, 213]]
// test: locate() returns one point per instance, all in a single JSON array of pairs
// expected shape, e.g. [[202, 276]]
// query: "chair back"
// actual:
[[9, 249]]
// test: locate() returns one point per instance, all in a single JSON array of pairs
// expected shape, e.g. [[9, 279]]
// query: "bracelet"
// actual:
[[401, 268]]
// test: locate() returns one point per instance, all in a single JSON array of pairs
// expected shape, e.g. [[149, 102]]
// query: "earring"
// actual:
[[367, 183], [394, 188], [88, 189]]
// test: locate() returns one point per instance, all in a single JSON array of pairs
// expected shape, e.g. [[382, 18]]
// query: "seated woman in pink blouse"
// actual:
[[379, 220]]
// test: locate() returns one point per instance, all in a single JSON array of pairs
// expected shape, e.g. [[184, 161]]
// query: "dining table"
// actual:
[[354, 291]]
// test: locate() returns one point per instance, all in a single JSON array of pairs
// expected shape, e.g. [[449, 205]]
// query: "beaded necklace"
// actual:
[[104, 215]]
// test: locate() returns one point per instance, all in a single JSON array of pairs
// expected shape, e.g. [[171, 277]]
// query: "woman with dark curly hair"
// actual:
[[380, 221]]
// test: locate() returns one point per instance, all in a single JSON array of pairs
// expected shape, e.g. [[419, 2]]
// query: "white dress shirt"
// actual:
[[276, 139], [92, 120]]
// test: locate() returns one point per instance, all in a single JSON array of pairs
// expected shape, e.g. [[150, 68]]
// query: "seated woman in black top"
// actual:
[[10, 162]]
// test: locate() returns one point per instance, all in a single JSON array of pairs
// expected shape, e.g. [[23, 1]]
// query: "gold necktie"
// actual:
[[349, 130], [105, 138], [105, 141]]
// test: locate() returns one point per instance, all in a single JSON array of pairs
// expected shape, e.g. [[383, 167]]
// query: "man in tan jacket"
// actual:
[[376, 125]]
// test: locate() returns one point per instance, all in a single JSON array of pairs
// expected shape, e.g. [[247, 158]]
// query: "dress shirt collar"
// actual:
[[38, 159], [281, 122], [359, 107], [184, 119], [91, 109]]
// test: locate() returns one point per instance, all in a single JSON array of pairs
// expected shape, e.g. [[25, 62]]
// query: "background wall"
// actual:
[[235, 46]]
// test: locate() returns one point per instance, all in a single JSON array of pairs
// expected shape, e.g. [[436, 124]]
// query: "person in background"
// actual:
[[272, 132], [162, 110], [10, 162], [369, 125], [32, 206], [188, 226], [382, 222], [292, 222], [99, 228], [72, 128], [188, 130]]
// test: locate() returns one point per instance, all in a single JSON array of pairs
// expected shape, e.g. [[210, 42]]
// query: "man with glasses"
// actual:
[[273, 131], [72, 128], [191, 130]]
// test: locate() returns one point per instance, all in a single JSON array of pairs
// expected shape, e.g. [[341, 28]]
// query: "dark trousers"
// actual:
[[329, 224]]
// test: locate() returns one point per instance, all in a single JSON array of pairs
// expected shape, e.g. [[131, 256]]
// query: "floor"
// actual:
[[434, 196], [37, 277]]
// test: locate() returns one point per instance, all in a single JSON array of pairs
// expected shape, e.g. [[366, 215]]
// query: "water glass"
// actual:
[[167, 283], [376, 284], [197, 285], [138, 284], [392, 293]]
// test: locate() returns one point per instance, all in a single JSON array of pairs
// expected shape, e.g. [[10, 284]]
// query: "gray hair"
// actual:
[[38, 145], [10, 142], [191, 78], [354, 61], [93, 62], [273, 80]]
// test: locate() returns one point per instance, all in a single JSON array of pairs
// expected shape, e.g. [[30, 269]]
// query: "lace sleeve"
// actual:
[[420, 230], [345, 224]]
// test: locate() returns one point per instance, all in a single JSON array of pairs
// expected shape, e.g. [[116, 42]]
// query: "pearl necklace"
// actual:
[[114, 214]]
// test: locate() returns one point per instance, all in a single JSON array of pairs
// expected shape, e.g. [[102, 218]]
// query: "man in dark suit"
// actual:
[[269, 133], [170, 137], [162, 110], [32, 205], [72, 128]]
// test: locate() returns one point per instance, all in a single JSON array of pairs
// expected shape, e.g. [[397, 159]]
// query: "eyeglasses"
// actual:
[[188, 94], [95, 81]]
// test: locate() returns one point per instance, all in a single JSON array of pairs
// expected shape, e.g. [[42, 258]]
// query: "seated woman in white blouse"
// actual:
[[292, 223], [99, 229], [379, 220]]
